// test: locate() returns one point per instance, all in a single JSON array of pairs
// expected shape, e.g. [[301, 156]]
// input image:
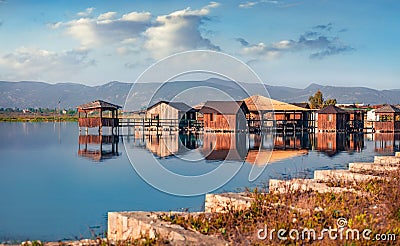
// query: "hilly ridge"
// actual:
[[27, 94]]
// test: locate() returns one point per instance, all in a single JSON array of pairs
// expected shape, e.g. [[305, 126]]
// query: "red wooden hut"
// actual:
[[333, 119], [388, 119], [226, 116], [98, 114]]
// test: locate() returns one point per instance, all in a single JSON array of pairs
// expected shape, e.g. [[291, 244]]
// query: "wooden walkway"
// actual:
[[161, 124]]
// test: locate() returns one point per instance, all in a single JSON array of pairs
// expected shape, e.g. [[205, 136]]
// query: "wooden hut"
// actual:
[[333, 119], [388, 118], [265, 111], [98, 114], [171, 114], [226, 116]]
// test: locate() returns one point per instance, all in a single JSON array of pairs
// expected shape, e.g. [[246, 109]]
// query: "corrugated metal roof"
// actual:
[[261, 103], [178, 105], [388, 109], [98, 104], [331, 109], [223, 107]]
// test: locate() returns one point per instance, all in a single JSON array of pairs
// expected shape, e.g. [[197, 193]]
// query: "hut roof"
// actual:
[[178, 105], [261, 103], [98, 104], [388, 109], [331, 109], [302, 105], [224, 107]]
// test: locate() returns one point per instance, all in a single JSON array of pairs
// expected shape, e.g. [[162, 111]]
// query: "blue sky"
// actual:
[[287, 42]]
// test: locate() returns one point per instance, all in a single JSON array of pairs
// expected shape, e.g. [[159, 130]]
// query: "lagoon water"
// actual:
[[56, 185]]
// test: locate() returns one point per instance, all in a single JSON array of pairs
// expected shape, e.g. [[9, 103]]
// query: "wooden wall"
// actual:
[[220, 122], [96, 122], [164, 111], [387, 126], [337, 122]]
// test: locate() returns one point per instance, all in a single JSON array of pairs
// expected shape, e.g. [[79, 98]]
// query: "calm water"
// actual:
[[55, 184]]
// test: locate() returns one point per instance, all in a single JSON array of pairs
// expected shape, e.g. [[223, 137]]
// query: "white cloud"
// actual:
[[33, 63], [251, 4], [85, 13], [321, 45], [178, 31], [138, 32], [261, 50], [247, 4], [105, 29], [137, 16], [106, 16]]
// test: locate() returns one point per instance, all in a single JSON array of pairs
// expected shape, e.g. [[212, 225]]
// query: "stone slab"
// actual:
[[387, 159], [344, 176], [226, 201], [303, 185], [130, 226], [375, 167]]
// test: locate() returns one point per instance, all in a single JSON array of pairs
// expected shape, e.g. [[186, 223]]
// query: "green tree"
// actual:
[[330, 102], [317, 101]]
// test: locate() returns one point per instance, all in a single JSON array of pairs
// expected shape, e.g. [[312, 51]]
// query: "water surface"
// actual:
[[55, 184]]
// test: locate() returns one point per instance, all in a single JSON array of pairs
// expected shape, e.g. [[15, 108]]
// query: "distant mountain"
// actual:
[[27, 94]]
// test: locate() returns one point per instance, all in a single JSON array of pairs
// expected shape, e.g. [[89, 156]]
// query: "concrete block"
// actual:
[[303, 185], [344, 176], [374, 167], [222, 202], [387, 159], [129, 226]]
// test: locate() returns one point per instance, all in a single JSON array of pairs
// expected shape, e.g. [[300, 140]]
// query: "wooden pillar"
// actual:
[[101, 120]]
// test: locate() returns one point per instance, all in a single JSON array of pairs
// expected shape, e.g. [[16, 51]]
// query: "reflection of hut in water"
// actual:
[[331, 143], [386, 143], [333, 119], [226, 116], [98, 147], [263, 156], [355, 142], [288, 117], [388, 118], [171, 115], [224, 146], [98, 114], [171, 144], [283, 141], [260, 153]]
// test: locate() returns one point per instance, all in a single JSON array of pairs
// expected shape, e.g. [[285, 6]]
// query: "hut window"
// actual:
[[397, 117], [386, 118], [211, 117], [330, 117]]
